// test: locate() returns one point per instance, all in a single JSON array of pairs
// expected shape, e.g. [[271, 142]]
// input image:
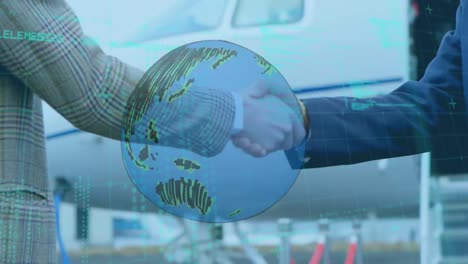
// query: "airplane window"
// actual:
[[189, 16], [268, 12]]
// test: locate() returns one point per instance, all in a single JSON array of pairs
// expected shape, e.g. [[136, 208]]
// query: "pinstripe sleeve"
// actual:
[[43, 46]]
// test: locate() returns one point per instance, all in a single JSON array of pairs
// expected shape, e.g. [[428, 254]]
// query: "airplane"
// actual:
[[323, 48]]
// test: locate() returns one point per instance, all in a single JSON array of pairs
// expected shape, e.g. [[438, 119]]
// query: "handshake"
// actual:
[[272, 120]]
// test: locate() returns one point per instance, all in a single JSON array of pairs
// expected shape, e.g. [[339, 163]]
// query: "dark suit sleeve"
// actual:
[[409, 120]]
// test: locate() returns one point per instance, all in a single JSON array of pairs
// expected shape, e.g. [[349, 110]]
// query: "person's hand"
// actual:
[[269, 124], [263, 88]]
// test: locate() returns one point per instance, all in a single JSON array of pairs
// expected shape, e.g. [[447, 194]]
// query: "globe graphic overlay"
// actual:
[[229, 186]]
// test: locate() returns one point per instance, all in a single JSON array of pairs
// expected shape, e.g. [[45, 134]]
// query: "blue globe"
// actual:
[[227, 187]]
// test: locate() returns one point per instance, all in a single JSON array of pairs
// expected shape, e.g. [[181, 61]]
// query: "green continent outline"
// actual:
[[180, 92], [172, 67], [267, 67], [192, 193], [235, 212], [186, 164]]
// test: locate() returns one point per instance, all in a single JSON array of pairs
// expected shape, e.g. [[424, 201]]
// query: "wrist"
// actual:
[[238, 123], [305, 117]]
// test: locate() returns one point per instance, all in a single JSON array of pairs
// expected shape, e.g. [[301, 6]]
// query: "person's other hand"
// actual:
[[263, 88], [269, 125]]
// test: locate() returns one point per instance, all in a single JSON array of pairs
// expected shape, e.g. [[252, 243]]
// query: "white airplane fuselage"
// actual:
[[338, 48]]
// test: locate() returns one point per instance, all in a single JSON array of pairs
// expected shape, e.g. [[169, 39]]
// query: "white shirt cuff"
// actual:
[[239, 114]]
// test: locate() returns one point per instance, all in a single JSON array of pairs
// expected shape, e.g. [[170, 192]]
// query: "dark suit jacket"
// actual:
[[419, 116]]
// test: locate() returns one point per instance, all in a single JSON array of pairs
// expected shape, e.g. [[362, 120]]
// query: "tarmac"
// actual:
[[394, 257]]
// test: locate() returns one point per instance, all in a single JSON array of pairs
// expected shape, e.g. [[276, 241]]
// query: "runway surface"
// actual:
[[401, 257]]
